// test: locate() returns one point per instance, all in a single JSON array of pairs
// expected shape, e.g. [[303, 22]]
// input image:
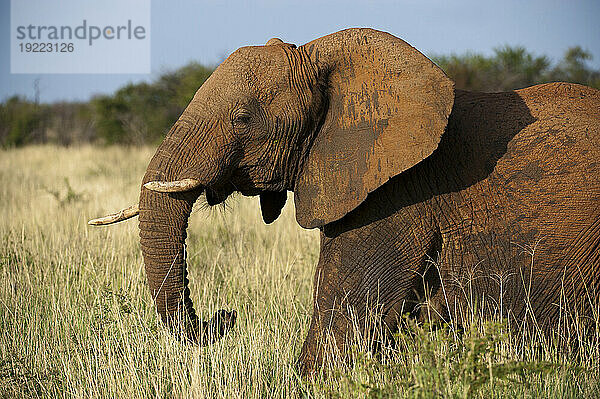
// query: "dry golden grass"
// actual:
[[76, 318]]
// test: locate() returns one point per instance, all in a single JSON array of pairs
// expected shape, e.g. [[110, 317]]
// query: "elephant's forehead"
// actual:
[[250, 72], [254, 67]]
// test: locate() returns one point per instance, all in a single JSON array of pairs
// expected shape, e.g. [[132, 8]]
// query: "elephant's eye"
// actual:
[[241, 120]]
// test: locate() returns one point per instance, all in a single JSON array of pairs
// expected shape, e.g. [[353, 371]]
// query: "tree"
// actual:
[[21, 122], [573, 68], [514, 67], [142, 113]]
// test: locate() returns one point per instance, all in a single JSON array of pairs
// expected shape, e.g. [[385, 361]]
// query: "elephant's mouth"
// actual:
[[237, 182], [218, 194]]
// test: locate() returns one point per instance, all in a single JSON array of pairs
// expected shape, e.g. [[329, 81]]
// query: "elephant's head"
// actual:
[[331, 120]]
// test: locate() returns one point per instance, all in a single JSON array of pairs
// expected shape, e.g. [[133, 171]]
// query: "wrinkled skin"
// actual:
[[396, 168]]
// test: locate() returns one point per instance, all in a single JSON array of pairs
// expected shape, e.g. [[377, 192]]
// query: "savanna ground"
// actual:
[[76, 318]]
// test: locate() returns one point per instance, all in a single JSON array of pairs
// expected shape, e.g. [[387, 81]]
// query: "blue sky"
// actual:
[[207, 31]]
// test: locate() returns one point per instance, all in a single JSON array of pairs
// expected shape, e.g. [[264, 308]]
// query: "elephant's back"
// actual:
[[541, 137], [550, 168], [570, 108], [562, 144]]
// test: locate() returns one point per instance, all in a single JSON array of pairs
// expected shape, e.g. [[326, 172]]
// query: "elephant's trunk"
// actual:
[[163, 223]]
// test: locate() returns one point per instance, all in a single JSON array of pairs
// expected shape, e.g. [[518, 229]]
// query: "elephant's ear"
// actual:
[[388, 106], [271, 204]]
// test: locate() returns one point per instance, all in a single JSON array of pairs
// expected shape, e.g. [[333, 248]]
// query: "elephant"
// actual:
[[417, 188]]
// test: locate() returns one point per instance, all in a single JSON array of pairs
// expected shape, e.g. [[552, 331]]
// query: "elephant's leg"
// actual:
[[365, 279]]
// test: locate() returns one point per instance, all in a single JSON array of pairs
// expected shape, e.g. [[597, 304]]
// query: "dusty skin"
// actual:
[[414, 186]]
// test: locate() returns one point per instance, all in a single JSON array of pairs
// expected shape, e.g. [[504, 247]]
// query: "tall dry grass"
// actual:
[[76, 318]]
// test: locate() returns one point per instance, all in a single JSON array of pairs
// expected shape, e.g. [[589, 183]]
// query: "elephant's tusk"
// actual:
[[125, 214], [177, 186]]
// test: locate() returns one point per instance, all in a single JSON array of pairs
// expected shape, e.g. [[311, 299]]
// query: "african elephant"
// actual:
[[396, 168]]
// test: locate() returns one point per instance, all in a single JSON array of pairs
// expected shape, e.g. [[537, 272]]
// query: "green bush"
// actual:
[[514, 68], [21, 122], [144, 112]]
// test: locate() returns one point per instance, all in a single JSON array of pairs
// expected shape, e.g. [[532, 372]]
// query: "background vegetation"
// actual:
[[77, 320], [143, 113]]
